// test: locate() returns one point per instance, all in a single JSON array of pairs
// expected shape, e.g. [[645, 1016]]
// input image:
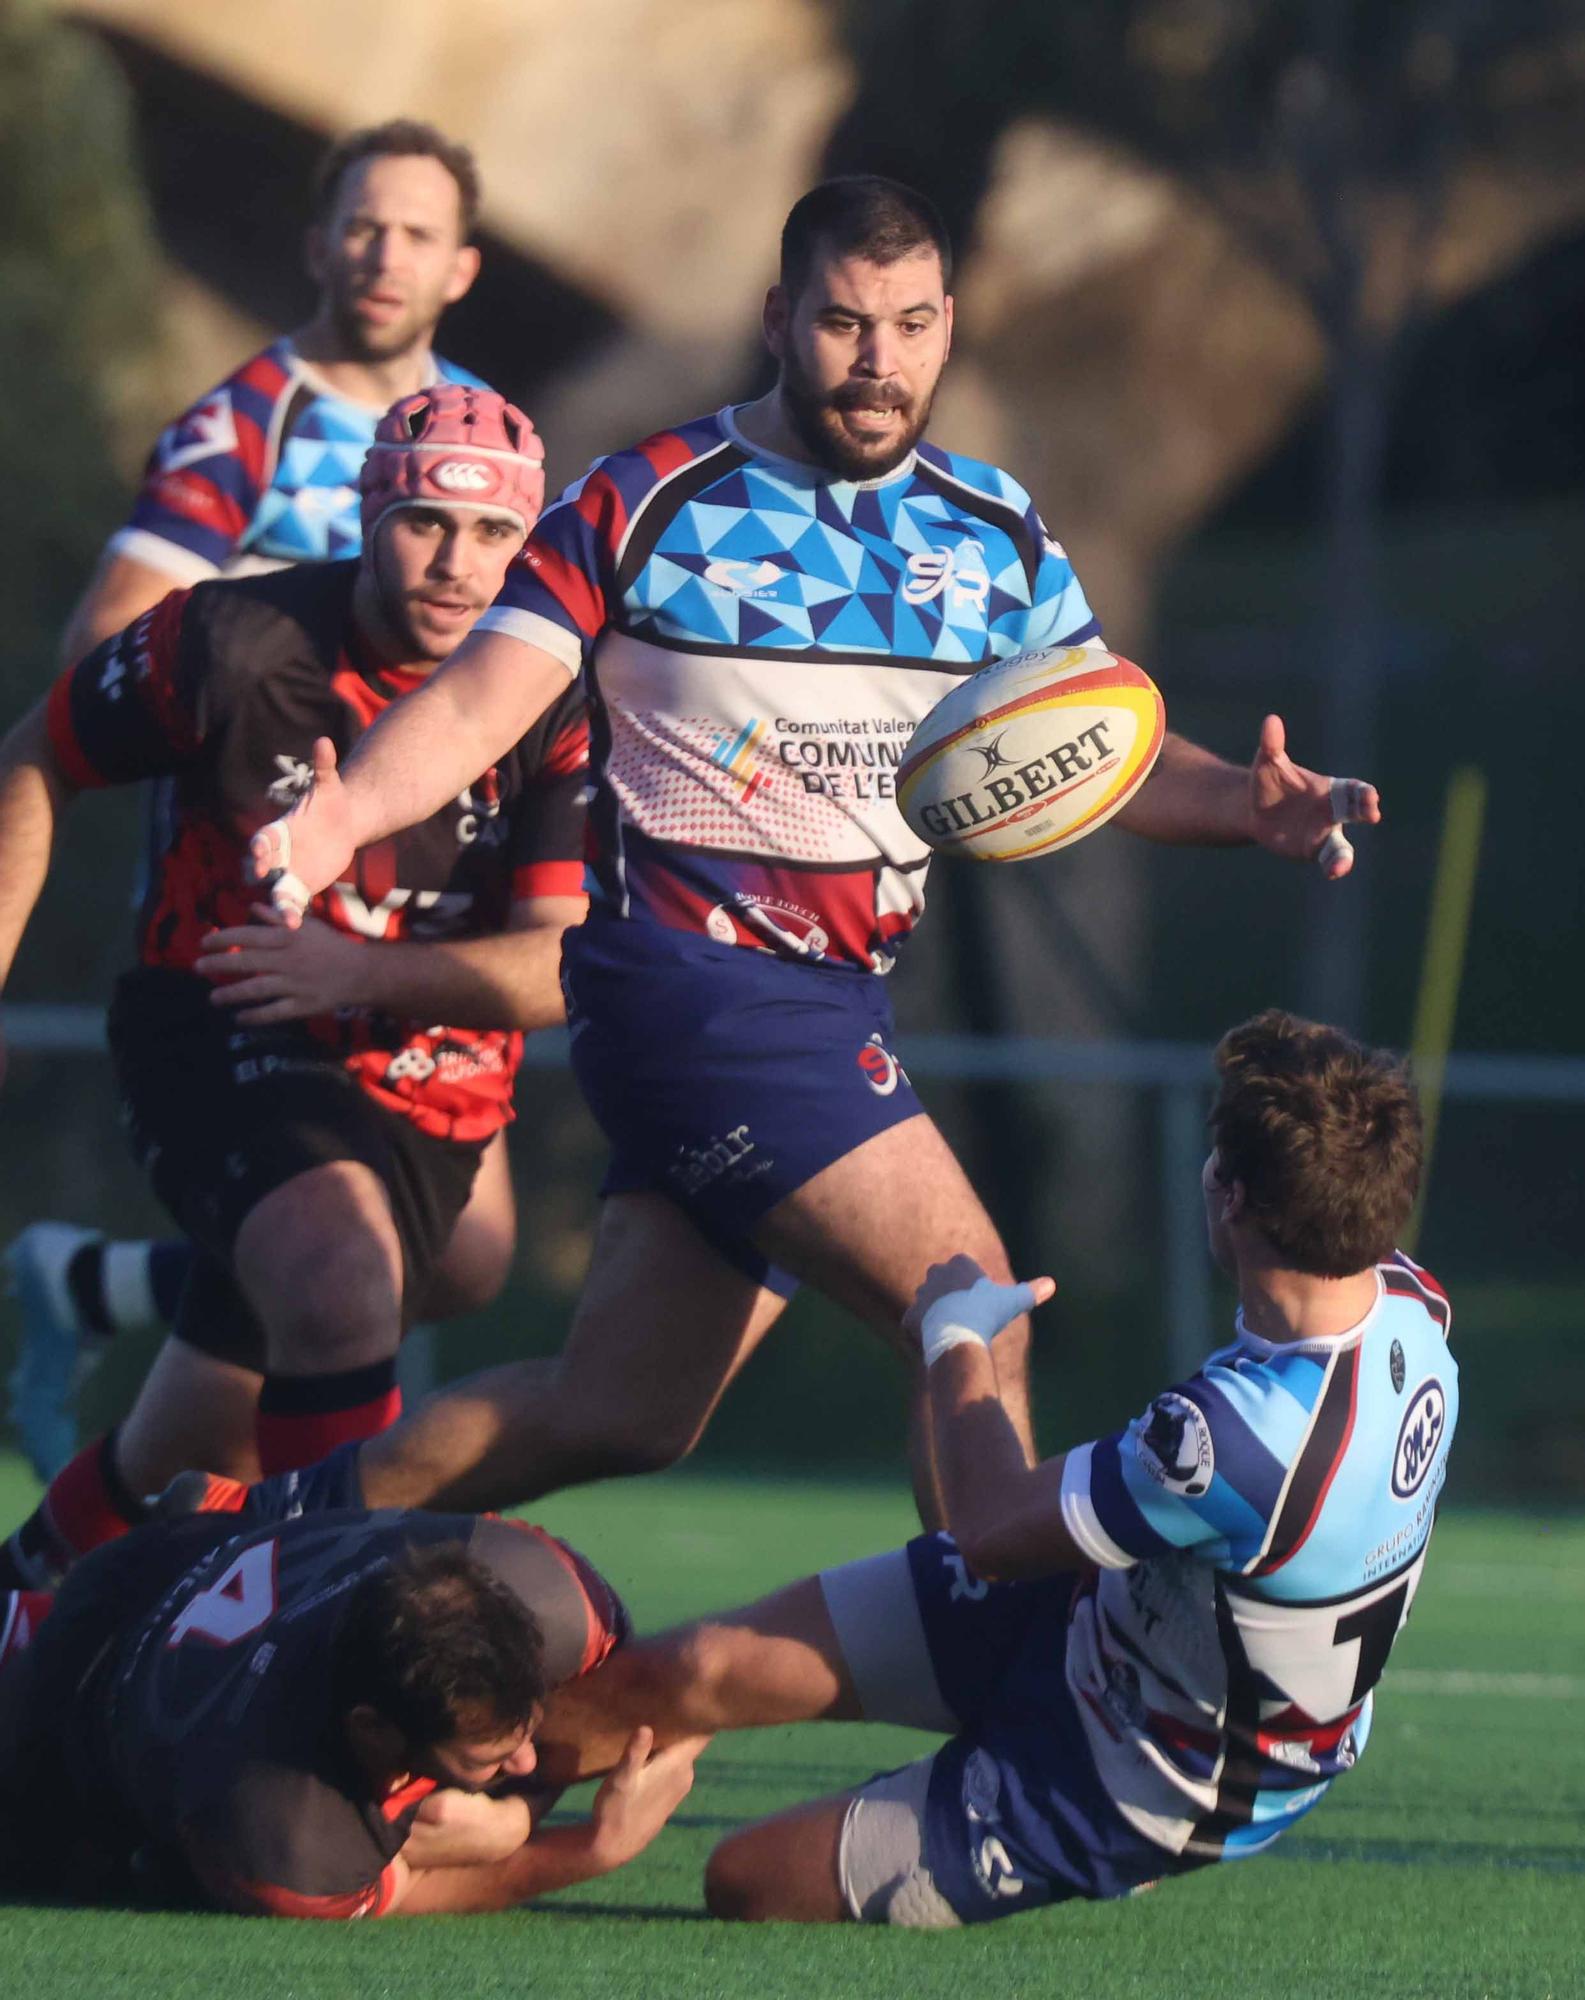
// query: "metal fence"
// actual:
[[1180, 1072]]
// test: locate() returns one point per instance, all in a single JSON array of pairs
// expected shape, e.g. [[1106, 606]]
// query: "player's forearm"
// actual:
[[33, 796], [1004, 1514], [457, 1829], [432, 744], [555, 1858], [512, 980], [1193, 798]]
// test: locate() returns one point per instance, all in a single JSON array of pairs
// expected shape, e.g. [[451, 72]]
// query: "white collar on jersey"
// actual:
[[727, 418], [1322, 1342]]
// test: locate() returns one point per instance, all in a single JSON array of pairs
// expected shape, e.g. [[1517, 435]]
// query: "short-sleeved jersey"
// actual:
[[216, 1732], [759, 639], [223, 689], [1259, 1534], [261, 472]]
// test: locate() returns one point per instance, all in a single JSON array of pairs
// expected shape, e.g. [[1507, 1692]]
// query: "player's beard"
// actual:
[[411, 328], [814, 415], [400, 611]]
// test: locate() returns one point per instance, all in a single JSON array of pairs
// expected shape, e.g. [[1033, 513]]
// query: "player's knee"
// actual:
[[734, 1887], [616, 1440]]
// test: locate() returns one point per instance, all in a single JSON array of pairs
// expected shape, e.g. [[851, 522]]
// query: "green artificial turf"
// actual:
[[1451, 1863]]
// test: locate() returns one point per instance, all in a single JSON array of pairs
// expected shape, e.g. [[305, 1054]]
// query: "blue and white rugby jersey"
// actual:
[[759, 639], [261, 472], [1259, 1534]]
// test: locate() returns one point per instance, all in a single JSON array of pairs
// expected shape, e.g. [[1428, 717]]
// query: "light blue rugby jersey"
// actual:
[[1259, 1534]]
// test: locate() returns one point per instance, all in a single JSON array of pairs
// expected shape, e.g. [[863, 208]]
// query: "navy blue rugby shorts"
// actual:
[[723, 1077]]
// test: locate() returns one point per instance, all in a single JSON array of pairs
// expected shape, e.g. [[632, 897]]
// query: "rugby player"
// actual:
[[311, 1129], [303, 1718], [761, 604], [263, 471], [1154, 1651]]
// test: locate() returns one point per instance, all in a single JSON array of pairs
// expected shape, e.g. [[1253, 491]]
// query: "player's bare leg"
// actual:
[[866, 1230], [478, 1257], [783, 1870], [662, 1327], [192, 1410], [320, 1262]]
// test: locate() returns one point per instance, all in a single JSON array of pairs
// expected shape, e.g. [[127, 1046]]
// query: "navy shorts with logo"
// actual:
[[1016, 1815], [725, 1077]]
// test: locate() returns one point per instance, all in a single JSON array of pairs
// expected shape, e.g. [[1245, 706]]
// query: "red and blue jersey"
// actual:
[[260, 472], [1258, 1535], [758, 640]]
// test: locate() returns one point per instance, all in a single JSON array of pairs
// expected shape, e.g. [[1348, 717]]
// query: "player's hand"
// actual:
[[295, 857], [641, 1794], [957, 1302], [272, 972], [1301, 815]]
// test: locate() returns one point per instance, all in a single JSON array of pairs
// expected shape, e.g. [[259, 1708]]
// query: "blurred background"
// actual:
[[1277, 307]]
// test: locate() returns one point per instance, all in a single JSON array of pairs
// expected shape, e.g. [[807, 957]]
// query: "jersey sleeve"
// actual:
[[128, 709], [1059, 612], [201, 488], [548, 825], [1191, 1473], [279, 1840], [562, 587]]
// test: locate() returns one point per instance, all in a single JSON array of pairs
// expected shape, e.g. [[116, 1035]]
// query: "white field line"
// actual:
[[1503, 1687]]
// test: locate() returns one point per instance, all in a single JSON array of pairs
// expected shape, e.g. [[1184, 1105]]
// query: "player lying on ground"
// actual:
[[301, 1115], [763, 602], [262, 472], [1155, 1651], [328, 1716]]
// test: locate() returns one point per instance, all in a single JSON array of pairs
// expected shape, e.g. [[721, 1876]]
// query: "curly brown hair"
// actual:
[[401, 138], [1325, 1136]]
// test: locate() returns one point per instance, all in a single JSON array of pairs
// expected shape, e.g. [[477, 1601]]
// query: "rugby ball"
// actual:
[[1031, 754]]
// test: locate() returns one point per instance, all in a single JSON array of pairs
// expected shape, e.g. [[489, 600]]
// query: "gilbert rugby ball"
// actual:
[[1031, 754]]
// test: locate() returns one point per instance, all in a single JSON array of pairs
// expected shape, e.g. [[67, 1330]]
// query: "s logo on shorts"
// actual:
[[880, 1067]]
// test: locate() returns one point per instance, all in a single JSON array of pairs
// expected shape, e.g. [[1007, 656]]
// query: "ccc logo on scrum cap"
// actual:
[[463, 475]]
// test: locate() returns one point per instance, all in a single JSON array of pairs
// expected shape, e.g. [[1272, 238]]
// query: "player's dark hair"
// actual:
[[1324, 1134], [439, 1647], [400, 138], [860, 215]]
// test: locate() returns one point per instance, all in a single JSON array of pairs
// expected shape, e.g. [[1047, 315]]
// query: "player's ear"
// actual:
[[463, 273], [946, 313], [775, 319], [1234, 1200]]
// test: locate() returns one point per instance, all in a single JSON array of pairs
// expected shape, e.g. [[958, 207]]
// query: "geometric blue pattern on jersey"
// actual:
[[261, 471], [1260, 1533], [759, 639]]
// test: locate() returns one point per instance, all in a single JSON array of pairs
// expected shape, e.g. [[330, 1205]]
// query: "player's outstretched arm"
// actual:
[[1004, 1514], [425, 749], [1194, 798], [34, 794], [630, 1808], [266, 971]]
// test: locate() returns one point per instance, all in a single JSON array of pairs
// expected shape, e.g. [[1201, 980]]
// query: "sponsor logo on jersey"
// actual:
[[744, 579], [880, 1068], [1395, 1364], [1174, 1446], [735, 752], [207, 431], [1418, 1437], [295, 779], [768, 927], [958, 573], [463, 475]]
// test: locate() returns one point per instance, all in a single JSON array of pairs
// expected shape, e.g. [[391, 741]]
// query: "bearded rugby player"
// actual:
[[307, 1124], [263, 471], [762, 604]]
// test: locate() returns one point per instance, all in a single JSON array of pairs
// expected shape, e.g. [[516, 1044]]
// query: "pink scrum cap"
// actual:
[[450, 446]]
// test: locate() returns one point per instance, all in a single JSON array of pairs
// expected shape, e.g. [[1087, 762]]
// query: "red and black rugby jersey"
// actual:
[[223, 689]]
